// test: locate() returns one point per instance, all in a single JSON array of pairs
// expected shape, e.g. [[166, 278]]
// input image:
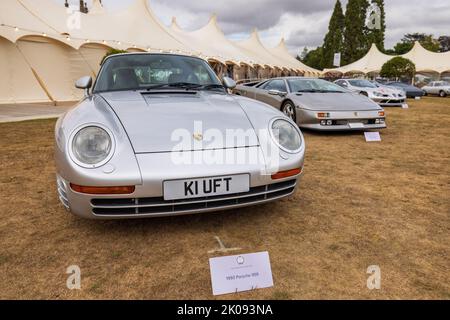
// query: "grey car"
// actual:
[[160, 135], [317, 104], [411, 91], [440, 88]]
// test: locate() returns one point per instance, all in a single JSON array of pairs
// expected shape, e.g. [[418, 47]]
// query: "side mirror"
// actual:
[[229, 83], [84, 83], [277, 93]]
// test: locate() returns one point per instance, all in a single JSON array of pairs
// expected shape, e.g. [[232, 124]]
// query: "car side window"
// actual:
[[278, 84]]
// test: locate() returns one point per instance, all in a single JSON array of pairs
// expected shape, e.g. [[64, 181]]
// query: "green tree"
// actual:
[[426, 40], [314, 58], [398, 68], [356, 45], [375, 32], [334, 39], [111, 52]]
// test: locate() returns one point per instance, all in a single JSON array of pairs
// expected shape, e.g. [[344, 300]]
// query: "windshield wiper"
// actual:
[[311, 91], [212, 86], [185, 85], [319, 91]]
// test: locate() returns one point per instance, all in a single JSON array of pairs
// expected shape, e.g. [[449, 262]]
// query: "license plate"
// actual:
[[206, 187], [356, 125]]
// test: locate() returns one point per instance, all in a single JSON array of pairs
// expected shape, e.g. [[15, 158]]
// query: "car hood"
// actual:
[[389, 90], [167, 121], [334, 102]]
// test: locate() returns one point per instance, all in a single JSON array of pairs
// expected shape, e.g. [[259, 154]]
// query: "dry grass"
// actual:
[[359, 204]]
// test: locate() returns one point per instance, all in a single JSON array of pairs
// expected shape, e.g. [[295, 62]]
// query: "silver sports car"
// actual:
[[160, 135], [317, 104], [383, 95]]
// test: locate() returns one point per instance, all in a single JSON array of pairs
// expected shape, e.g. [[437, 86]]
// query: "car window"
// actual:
[[362, 83], [140, 71], [313, 85], [277, 84]]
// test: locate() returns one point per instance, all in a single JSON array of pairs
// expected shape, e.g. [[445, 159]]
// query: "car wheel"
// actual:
[[363, 93], [442, 94], [289, 110]]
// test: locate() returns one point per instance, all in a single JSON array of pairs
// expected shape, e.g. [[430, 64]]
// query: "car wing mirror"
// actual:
[[274, 92], [84, 83], [229, 83]]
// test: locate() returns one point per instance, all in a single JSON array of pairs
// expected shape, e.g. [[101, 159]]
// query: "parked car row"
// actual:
[[317, 104]]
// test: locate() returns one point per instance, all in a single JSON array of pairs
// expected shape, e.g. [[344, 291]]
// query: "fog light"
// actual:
[[377, 121], [323, 123], [329, 123]]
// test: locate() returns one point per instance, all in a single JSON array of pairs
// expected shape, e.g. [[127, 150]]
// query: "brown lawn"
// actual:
[[359, 204]]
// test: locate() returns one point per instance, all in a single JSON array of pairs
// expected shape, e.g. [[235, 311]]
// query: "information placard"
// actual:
[[372, 136], [239, 273]]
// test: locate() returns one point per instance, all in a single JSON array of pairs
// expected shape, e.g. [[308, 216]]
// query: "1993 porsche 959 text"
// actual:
[[160, 135]]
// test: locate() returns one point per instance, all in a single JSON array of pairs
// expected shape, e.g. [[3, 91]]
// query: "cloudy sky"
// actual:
[[301, 22]]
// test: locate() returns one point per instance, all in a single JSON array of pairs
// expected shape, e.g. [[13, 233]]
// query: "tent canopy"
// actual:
[[46, 46], [373, 61]]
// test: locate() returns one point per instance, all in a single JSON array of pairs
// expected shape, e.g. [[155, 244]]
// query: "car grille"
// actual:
[[145, 206]]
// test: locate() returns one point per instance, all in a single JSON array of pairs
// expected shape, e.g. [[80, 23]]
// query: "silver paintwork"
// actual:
[[141, 126], [440, 88], [383, 95], [345, 108], [229, 83]]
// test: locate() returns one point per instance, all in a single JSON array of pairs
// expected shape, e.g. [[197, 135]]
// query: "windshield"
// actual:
[[313, 85], [147, 71], [362, 83]]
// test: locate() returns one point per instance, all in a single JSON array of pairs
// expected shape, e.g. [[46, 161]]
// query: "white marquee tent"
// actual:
[[44, 47], [426, 62]]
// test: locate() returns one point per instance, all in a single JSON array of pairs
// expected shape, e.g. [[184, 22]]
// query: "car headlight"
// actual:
[[377, 94], [92, 146], [286, 136]]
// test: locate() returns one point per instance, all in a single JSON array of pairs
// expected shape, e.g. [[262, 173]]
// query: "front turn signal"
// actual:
[[286, 174], [381, 113], [102, 190]]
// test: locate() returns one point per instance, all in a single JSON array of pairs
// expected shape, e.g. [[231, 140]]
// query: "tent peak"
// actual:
[[97, 7], [213, 19], [282, 45]]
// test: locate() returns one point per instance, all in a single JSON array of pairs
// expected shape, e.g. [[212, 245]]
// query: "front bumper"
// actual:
[[389, 101], [341, 120], [343, 127], [148, 198]]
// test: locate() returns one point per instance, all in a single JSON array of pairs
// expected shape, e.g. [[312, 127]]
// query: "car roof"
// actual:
[[116, 55]]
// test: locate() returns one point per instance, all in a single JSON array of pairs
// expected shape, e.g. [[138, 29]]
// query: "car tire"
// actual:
[[288, 108], [442, 94]]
